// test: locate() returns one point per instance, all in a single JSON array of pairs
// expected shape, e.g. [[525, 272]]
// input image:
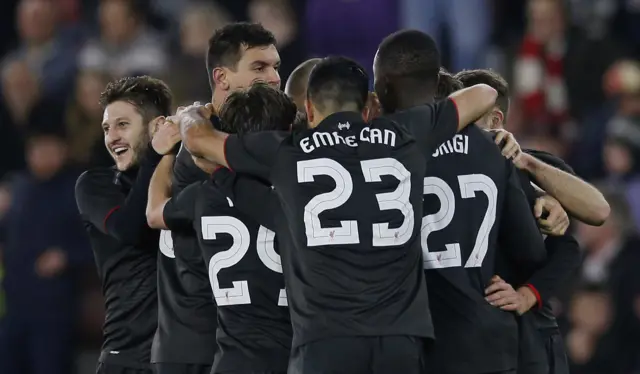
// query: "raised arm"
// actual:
[[473, 102], [198, 135], [159, 193], [579, 198], [101, 202]]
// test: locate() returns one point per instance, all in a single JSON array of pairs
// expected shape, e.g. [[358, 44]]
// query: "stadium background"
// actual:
[[575, 80]]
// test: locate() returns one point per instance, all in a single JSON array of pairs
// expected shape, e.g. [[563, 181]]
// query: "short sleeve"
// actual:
[[253, 153], [97, 197], [179, 211], [430, 124]]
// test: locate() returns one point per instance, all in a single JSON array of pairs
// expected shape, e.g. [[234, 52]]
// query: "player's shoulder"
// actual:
[[95, 177]]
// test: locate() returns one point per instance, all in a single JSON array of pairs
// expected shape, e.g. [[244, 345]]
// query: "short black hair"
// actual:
[[225, 46], [259, 108], [337, 82], [492, 79], [409, 55], [447, 84], [150, 96], [298, 81]]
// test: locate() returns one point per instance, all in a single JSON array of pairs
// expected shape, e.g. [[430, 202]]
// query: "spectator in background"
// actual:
[[557, 74], [605, 313], [84, 113], [44, 242], [126, 46], [49, 58], [467, 22], [197, 24]]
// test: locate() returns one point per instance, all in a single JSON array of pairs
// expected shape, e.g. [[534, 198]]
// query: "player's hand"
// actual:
[[205, 165], [51, 263], [165, 137], [375, 109], [555, 221], [508, 144], [502, 295]]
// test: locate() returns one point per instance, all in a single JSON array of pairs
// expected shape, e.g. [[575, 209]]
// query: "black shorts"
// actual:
[[104, 368], [556, 354], [360, 355], [171, 368]]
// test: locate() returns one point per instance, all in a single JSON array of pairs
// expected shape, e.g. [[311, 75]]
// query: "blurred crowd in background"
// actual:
[[574, 74]]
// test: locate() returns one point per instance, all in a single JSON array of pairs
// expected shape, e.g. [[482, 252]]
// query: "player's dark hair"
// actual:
[[407, 67], [227, 43], [298, 81], [491, 78], [447, 84], [150, 96], [260, 108], [338, 83]]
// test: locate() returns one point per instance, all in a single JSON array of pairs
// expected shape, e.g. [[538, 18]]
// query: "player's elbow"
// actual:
[[155, 220], [601, 213]]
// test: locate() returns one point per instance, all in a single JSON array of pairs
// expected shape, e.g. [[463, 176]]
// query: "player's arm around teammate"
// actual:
[[164, 142], [578, 197]]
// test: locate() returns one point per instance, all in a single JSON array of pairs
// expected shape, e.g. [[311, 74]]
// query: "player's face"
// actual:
[[126, 136], [259, 64]]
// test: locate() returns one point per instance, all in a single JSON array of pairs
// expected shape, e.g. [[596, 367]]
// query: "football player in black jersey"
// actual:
[[112, 204], [296, 87], [355, 288], [254, 334], [579, 198], [238, 55], [473, 204]]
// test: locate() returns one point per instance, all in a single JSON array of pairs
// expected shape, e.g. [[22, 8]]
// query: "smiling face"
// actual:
[[126, 134]]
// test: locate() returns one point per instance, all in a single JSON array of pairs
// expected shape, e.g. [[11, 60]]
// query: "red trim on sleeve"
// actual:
[[536, 293], [109, 213], [457, 111], [224, 149]]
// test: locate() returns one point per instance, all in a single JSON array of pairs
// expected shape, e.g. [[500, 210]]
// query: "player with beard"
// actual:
[[365, 310], [254, 334], [473, 204], [238, 55], [112, 204], [579, 198]]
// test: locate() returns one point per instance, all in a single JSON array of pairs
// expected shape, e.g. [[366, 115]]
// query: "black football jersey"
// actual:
[[473, 207], [351, 195], [186, 312], [127, 268], [245, 272]]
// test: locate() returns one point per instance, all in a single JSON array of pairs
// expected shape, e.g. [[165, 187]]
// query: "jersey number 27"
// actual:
[[469, 185]]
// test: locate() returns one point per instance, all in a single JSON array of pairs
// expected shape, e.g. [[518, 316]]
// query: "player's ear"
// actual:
[[155, 124], [309, 109], [497, 119], [220, 79]]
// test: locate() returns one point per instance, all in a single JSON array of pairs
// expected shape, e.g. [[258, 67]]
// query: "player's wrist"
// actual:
[[527, 162], [529, 296]]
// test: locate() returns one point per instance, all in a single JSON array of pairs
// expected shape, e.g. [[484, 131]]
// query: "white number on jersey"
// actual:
[[469, 185], [347, 232], [166, 244], [239, 293]]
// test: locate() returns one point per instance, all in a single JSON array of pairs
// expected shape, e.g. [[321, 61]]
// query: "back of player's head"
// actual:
[[228, 43], [491, 78], [407, 62], [259, 108], [338, 84], [297, 83], [150, 96], [447, 84]]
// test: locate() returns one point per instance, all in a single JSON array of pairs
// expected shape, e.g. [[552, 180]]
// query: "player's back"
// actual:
[[353, 214], [465, 186], [254, 332]]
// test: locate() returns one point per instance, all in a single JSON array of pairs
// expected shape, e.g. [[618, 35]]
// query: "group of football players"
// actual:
[[327, 228]]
